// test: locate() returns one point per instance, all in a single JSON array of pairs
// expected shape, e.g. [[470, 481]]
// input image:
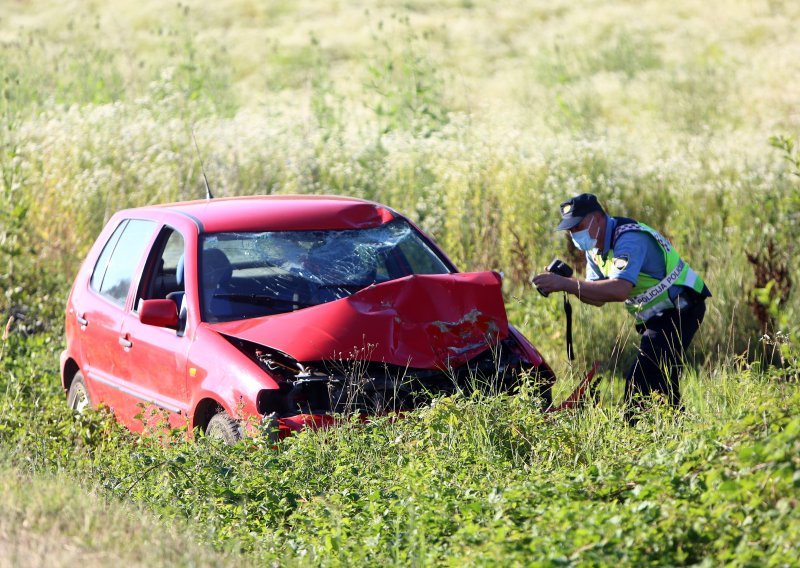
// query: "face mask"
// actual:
[[583, 240]]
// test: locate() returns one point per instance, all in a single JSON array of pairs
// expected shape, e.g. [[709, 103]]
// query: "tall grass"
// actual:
[[476, 120]]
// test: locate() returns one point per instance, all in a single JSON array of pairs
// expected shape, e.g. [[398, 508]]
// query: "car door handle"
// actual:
[[125, 342], [81, 320]]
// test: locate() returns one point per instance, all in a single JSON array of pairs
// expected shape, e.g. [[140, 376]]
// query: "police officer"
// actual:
[[629, 262]]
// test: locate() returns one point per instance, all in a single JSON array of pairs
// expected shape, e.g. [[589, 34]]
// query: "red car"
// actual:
[[285, 309]]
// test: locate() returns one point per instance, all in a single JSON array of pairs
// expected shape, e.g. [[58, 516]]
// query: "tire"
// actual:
[[223, 427], [78, 395]]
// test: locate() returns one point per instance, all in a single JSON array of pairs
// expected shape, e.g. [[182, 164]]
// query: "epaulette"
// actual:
[[624, 225]]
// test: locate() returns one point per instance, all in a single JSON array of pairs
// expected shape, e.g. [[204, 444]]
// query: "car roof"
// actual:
[[280, 213]]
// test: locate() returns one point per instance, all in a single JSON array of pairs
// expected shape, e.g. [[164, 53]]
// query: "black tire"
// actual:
[[223, 427], [78, 395]]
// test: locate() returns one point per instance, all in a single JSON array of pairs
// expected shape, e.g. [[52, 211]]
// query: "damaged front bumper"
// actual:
[[310, 394]]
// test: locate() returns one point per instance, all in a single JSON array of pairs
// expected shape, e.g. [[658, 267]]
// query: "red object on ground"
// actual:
[[579, 394]]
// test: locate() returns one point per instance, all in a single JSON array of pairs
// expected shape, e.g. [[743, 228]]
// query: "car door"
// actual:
[[99, 306], [154, 358]]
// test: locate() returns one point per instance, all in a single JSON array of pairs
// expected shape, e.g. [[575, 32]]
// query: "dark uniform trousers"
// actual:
[[665, 339]]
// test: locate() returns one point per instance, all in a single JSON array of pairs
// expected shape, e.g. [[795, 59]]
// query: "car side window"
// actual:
[[115, 268], [164, 271], [102, 262]]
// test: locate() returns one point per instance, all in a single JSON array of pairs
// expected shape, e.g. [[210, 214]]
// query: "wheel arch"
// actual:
[[204, 411], [68, 373]]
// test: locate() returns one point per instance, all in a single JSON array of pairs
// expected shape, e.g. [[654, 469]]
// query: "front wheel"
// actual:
[[223, 427], [78, 395]]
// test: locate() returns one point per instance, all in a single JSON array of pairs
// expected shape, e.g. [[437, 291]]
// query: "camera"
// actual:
[[559, 267]]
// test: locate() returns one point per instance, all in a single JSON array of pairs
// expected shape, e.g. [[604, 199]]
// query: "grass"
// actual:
[[476, 120], [51, 519], [482, 480]]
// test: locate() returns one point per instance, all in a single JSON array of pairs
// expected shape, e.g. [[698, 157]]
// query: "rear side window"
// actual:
[[105, 256], [117, 264]]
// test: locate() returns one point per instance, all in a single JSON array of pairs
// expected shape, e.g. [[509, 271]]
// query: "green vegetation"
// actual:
[[476, 120], [478, 480]]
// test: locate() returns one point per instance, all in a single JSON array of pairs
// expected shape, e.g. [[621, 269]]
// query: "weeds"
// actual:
[[471, 477], [476, 122]]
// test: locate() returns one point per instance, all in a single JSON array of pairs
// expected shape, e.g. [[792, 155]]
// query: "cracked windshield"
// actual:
[[254, 274]]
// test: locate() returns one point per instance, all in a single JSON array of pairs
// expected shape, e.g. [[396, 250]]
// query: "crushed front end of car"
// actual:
[[390, 347]]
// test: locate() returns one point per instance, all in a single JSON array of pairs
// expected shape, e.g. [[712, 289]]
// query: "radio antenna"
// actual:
[[202, 167]]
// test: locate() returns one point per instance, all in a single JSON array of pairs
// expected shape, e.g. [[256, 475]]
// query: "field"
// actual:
[[476, 119]]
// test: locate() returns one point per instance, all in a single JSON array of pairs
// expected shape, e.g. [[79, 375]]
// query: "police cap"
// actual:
[[575, 209]]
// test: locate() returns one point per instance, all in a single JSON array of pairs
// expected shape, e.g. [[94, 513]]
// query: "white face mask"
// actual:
[[583, 240]]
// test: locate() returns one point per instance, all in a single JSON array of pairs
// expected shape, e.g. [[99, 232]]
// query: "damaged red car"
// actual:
[[286, 309]]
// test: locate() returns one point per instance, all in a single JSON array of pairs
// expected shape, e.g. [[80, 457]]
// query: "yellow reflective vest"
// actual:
[[650, 296]]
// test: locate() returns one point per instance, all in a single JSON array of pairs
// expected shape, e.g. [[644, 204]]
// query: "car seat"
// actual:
[[178, 295]]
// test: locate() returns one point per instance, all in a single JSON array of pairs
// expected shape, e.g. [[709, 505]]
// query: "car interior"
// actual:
[[165, 277]]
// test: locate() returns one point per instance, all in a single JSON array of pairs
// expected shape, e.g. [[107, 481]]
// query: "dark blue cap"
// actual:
[[574, 210]]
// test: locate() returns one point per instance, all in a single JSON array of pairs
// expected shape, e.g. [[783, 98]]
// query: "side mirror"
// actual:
[[160, 313]]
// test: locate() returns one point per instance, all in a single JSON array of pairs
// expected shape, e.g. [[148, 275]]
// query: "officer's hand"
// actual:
[[548, 282]]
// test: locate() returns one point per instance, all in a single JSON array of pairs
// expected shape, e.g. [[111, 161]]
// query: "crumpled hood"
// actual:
[[420, 321]]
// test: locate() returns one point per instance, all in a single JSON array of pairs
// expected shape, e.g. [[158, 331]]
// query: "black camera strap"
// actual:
[[568, 313], [562, 269]]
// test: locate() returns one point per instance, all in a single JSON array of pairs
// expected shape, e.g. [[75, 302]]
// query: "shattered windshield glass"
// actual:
[[245, 275]]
